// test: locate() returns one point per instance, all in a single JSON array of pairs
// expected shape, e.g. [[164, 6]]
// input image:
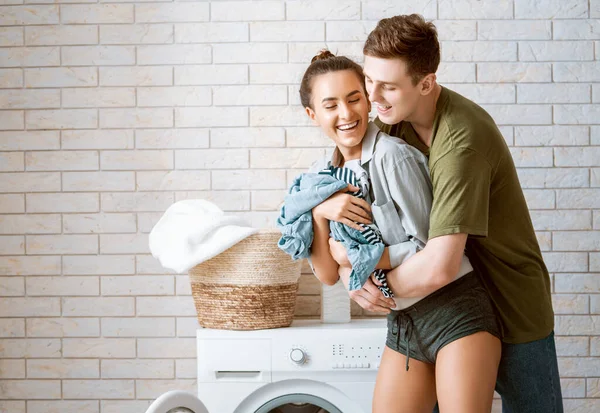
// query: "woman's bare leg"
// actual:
[[401, 391], [465, 373]]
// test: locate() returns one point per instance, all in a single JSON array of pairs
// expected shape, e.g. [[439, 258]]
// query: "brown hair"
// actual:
[[322, 63], [410, 38]]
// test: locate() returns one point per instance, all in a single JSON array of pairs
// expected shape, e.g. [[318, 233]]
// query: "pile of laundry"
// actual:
[[193, 231]]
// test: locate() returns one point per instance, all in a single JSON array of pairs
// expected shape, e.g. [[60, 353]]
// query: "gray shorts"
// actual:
[[456, 310]]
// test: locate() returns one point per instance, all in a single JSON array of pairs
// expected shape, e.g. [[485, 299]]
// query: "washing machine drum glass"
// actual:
[[298, 403], [298, 408]]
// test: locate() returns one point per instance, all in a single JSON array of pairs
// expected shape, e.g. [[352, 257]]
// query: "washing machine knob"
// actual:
[[297, 356]]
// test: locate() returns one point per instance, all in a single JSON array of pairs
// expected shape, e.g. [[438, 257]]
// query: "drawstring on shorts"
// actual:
[[403, 317]]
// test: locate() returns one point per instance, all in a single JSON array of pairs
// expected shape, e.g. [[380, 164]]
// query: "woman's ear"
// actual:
[[312, 115]]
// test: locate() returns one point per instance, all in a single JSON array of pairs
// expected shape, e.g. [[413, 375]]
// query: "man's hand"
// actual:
[[345, 208], [339, 253], [368, 297]]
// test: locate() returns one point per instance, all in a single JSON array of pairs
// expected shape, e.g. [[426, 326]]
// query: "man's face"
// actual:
[[390, 89]]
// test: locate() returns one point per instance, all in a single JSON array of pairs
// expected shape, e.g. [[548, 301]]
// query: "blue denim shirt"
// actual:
[[295, 224], [295, 219]]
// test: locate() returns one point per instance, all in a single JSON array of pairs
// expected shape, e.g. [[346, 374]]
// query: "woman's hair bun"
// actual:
[[323, 54]]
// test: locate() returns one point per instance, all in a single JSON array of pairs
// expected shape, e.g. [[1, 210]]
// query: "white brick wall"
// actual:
[[109, 113]]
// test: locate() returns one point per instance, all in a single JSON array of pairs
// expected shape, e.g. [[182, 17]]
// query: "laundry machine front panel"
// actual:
[[240, 372], [225, 397], [344, 351], [227, 355], [362, 392]]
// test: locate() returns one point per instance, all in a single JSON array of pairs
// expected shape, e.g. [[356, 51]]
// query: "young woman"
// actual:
[[416, 368]]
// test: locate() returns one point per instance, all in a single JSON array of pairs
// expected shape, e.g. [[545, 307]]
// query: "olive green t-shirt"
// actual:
[[476, 191]]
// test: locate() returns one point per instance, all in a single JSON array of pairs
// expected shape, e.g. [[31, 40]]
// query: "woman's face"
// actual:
[[341, 109]]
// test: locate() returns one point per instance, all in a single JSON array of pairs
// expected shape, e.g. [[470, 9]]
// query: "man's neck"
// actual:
[[425, 115]]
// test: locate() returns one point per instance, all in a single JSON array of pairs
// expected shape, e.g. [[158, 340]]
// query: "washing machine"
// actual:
[[308, 367]]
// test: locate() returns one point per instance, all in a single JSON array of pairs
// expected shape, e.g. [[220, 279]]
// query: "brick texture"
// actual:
[[112, 111]]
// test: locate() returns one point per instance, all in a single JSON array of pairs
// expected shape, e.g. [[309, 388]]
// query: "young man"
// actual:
[[478, 205]]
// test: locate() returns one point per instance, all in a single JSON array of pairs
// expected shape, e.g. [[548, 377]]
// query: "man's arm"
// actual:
[[430, 269], [461, 190]]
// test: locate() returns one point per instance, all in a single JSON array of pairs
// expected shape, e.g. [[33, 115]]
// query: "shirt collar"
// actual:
[[368, 143]]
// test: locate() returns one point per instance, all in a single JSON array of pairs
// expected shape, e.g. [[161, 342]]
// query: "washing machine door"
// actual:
[[298, 403], [298, 396], [177, 402]]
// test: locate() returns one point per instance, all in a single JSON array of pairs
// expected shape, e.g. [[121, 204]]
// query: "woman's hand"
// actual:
[[345, 208], [368, 297], [339, 253]]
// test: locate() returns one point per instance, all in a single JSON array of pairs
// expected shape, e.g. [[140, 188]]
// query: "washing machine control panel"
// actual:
[[298, 356], [356, 355], [335, 352]]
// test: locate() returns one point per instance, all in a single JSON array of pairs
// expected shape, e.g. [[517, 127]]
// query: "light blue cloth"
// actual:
[[295, 223], [295, 219]]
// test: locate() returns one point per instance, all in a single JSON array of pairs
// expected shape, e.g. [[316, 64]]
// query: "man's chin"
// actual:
[[389, 118]]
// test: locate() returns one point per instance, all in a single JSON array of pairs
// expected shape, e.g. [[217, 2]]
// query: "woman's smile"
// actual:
[[347, 127]]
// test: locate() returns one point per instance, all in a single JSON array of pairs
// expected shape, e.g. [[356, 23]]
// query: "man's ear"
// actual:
[[312, 115], [428, 83]]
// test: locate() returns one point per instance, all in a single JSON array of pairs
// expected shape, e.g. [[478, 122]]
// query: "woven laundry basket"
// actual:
[[250, 286]]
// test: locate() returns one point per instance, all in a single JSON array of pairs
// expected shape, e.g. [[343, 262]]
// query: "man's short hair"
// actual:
[[410, 38]]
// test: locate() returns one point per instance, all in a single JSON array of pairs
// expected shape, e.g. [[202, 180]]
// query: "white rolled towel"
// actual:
[[193, 231]]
